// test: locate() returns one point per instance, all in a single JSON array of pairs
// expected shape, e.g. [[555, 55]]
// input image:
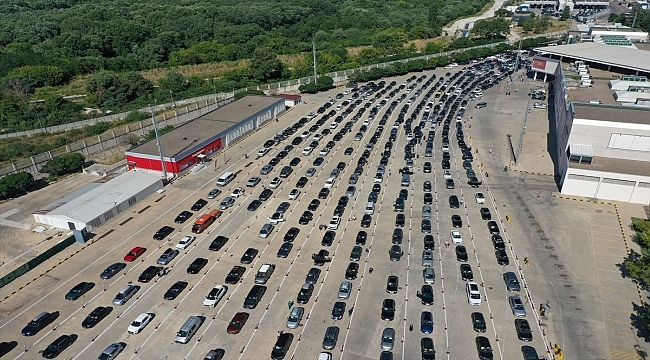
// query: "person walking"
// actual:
[[411, 327]]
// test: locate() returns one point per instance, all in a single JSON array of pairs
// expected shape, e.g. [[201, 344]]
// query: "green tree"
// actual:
[[14, 184], [42, 75], [566, 13], [174, 81], [19, 86], [241, 94], [491, 28], [64, 164], [436, 20], [639, 268], [434, 47], [391, 40], [503, 13], [265, 65]]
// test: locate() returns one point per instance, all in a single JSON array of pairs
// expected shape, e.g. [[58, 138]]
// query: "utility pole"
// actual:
[[517, 61], [634, 21], [313, 46], [160, 149], [172, 96]]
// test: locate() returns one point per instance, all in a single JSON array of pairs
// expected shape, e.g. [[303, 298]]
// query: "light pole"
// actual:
[[160, 149], [172, 96]]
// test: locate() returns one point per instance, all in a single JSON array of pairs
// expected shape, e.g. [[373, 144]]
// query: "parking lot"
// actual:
[[361, 326]]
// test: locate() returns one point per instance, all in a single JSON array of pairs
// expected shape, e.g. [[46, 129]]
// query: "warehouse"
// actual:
[[195, 141], [100, 201]]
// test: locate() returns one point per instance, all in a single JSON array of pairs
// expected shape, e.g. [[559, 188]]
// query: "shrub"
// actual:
[[13, 185], [64, 164]]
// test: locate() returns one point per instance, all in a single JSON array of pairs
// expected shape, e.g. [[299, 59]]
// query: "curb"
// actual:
[[620, 224]]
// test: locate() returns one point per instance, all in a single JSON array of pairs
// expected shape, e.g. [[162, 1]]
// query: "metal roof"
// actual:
[[99, 200], [581, 150], [618, 56]]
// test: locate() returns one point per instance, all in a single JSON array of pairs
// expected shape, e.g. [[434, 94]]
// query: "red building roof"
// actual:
[[289, 96]]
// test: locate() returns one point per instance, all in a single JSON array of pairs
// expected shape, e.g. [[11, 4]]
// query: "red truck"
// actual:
[[205, 220]]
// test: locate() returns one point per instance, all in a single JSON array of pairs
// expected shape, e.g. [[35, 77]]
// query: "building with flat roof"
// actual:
[[95, 204], [195, 141], [620, 59], [602, 151]]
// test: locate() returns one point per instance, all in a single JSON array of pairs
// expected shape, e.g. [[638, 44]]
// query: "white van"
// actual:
[[225, 179], [370, 208], [188, 330]]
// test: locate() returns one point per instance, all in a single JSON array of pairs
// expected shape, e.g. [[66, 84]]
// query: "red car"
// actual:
[[237, 322], [134, 253]]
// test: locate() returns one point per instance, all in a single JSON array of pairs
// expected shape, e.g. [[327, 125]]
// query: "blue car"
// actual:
[[319, 160], [426, 322]]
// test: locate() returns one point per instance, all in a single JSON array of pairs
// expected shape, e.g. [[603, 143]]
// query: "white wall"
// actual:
[[609, 186]]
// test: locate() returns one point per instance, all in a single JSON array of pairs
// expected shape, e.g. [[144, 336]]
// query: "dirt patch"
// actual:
[[203, 70]]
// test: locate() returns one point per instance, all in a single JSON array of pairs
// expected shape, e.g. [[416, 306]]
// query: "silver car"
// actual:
[[429, 275], [252, 182], [388, 339], [266, 169], [426, 211], [310, 172], [167, 256], [427, 258], [213, 193], [335, 173], [226, 203], [350, 191], [293, 320], [353, 179], [345, 289], [517, 306], [112, 351]]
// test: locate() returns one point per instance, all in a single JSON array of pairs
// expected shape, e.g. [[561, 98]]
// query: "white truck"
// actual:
[[480, 198]]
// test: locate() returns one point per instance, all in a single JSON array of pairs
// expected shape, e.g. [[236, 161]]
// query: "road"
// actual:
[[468, 23]]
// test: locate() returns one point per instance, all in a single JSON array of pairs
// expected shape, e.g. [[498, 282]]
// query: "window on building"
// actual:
[[618, 182], [108, 215], [119, 208], [629, 142], [95, 223], [132, 201], [644, 185], [583, 177]]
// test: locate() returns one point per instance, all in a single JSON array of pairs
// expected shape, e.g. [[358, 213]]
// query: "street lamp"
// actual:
[[158, 142], [172, 96]]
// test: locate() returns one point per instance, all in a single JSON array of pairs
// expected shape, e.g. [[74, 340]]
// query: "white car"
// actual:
[[446, 174], [237, 192], [185, 242], [480, 198], [215, 295], [275, 218], [329, 183], [139, 323], [262, 152], [473, 293], [306, 151], [275, 183], [334, 125], [293, 195], [379, 177], [334, 223], [455, 236], [344, 290], [324, 152], [252, 182], [539, 105], [317, 137], [305, 134]]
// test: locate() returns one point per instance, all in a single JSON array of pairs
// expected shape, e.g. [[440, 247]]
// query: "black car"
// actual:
[[319, 160], [291, 234], [322, 194], [366, 220], [392, 284], [96, 316], [429, 242], [284, 250], [400, 219], [296, 141], [484, 349], [426, 167], [321, 257], [197, 265], [478, 322], [388, 310], [149, 273], [305, 218], [286, 171], [362, 236], [218, 243], [426, 295], [524, 333], [274, 161], [340, 165], [446, 165], [453, 202], [474, 182], [265, 195], [466, 272], [113, 269], [312, 276], [355, 254], [351, 271], [339, 210], [343, 200], [404, 194], [398, 235], [461, 253], [281, 346], [163, 232], [283, 207], [313, 205], [485, 214], [295, 161], [79, 290], [249, 256], [57, 346], [305, 293], [502, 257], [348, 151], [254, 205], [498, 243], [235, 274], [183, 216], [269, 143], [328, 238], [6, 347], [449, 184], [456, 221], [376, 188], [338, 310], [493, 227], [428, 198], [302, 182], [175, 290], [199, 204], [39, 322]]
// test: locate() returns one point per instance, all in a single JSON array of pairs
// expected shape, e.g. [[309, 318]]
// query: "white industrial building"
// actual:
[[98, 202]]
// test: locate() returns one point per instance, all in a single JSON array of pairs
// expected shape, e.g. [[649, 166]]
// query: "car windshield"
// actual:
[[136, 323], [119, 296]]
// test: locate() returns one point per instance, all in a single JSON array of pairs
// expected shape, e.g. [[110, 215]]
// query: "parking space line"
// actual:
[[617, 290], [618, 321]]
